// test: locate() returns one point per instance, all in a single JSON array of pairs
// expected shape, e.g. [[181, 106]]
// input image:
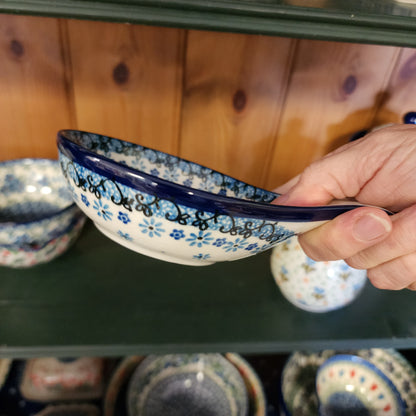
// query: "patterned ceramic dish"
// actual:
[[52, 379], [180, 384], [350, 385], [297, 388], [173, 209], [297, 385], [398, 370], [314, 286], [22, 257], [36, 211], [256, 395], [114, 405]]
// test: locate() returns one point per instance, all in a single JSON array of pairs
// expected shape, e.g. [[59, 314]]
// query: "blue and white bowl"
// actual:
[[172, 209], [350, 385], [38, 216], [311, 285], [187, 384]]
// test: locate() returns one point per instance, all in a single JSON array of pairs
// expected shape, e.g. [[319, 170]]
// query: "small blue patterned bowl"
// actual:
[[350, 385], [38, 216], [187, 384], [172, 209]]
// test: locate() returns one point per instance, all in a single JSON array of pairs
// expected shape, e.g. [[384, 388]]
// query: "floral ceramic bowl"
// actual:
[[172, 209], [297, 387], [350, 385], [38, 217], [297, 384], [51, 379], [115, 405], [182, 384], [26, 256], [311, 285]]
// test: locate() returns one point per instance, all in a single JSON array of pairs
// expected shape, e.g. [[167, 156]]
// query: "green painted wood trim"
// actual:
[[101, 299], [383, 22]]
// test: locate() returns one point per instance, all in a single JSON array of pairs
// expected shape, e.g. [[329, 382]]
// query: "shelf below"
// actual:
[[387, 22], [102, 299]]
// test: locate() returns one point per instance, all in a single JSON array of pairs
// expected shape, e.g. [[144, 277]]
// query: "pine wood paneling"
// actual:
[[335, 90], [234, 91], [33, 97], [400, 95], [127, 81]]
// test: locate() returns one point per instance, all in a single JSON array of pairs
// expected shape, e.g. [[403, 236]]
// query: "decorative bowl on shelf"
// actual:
[[398, 369], [297, 384], [175, 210], [297, 387], [350, 385], [182, 384], [53, 379], [38, 217], [114, 403], [314, 286]]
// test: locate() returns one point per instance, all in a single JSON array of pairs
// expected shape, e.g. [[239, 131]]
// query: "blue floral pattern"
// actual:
[[103, 210], [177, 234], [123, 217], [199, 239], [84, 199], [198, 232], [152, 228], [125, 236]]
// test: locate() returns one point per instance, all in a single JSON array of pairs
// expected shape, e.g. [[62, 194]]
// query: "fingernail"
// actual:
[[281, 200], [370, 227]]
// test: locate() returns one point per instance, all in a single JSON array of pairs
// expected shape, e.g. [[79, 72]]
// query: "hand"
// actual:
[[380, 170]]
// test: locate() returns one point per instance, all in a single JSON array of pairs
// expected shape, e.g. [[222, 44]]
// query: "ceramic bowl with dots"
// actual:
[[38, 217], [311, 285], [350, 385], [175, 210], [183, 384]]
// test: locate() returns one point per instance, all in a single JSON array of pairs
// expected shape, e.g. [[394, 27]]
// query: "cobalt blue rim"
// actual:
[[371, 366], [56, 214], [183, 195]]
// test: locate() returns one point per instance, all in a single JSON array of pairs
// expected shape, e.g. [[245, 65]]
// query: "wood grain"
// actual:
[[127, 81], [400, 95], [234, 92], [34, 103], [334, 91]]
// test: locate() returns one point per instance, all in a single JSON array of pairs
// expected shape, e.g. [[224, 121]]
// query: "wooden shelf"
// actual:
[[388, 22], [102, 299]]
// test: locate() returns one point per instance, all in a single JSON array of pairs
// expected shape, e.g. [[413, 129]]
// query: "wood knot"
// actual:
[[239, 100], [350, 84], [121, 74], [17, 48]]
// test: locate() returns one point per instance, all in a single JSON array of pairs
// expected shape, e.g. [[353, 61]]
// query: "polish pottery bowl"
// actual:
[[172, 209], [314, 286], [38, 217], [187, 384], [350, 385], [297, 385]]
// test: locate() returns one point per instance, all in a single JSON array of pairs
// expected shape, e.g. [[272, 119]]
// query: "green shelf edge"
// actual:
[[388, 22], [100, 299]]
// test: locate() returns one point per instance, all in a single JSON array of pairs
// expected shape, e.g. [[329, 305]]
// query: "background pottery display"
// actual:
[[181, 384], [350, 385], [311, 285], [38, 217]]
